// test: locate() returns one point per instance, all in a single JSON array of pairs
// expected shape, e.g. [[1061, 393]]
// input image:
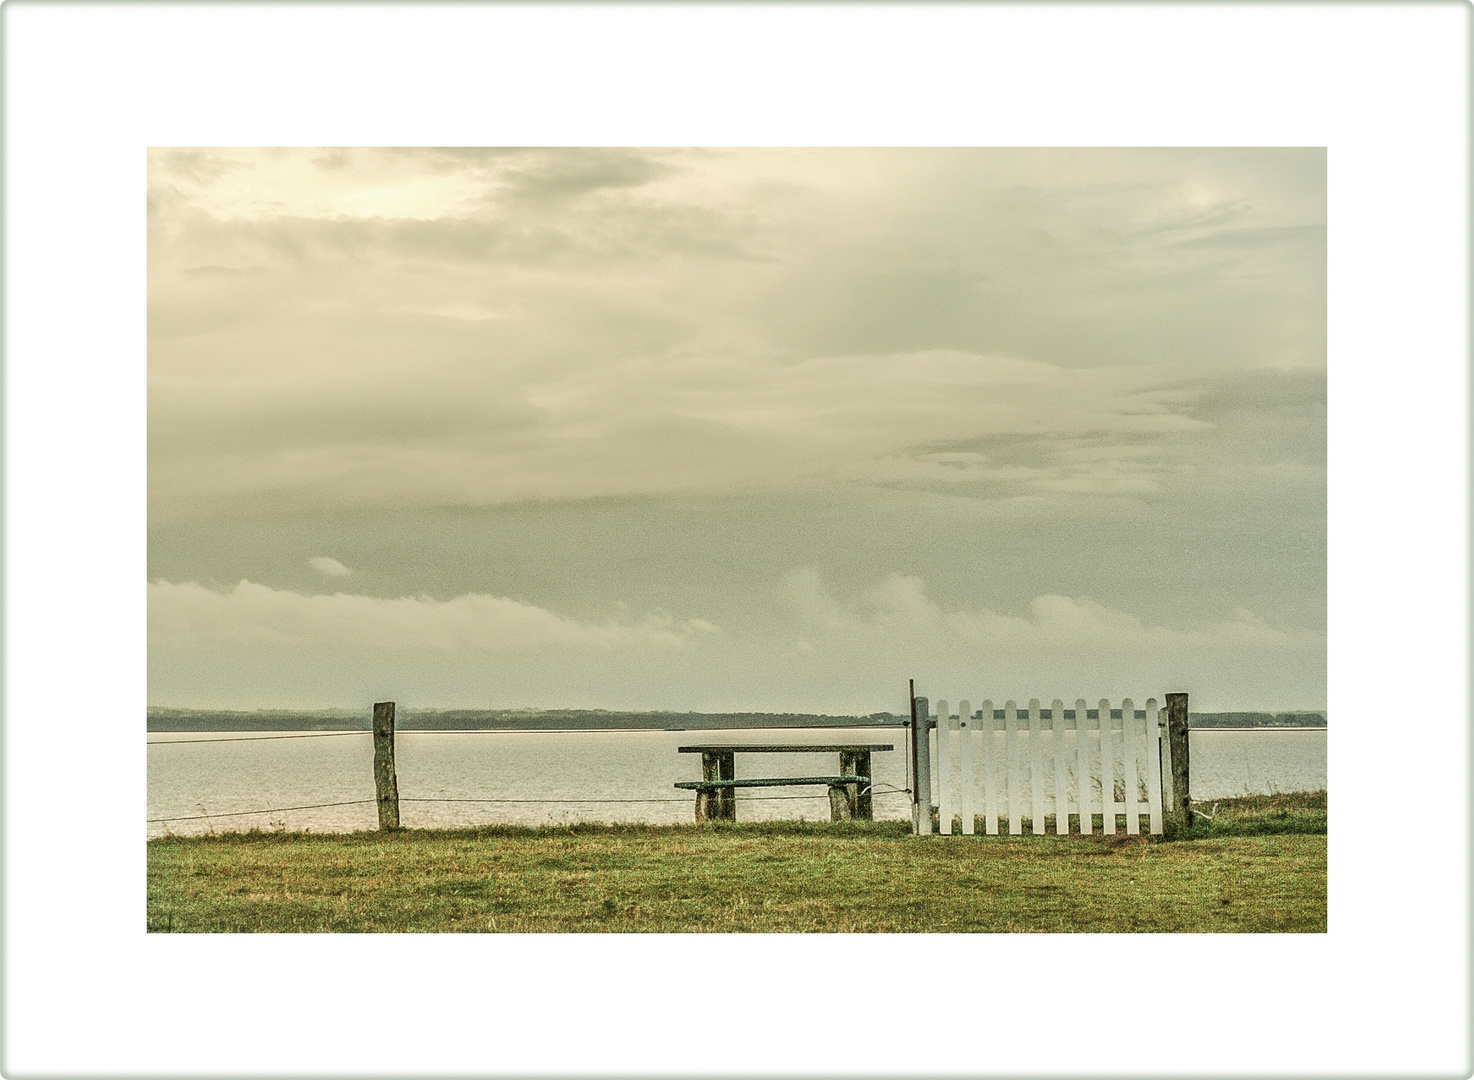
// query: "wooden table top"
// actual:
[[725, 748]]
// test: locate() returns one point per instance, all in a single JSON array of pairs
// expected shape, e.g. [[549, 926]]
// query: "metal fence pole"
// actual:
[[921, 736]]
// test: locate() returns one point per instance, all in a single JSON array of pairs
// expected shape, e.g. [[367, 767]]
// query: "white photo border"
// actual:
[[89, 87]]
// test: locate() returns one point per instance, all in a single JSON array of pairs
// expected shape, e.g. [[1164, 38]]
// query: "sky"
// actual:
[[736, 429]]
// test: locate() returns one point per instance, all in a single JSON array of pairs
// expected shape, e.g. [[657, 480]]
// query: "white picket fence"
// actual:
[[1008, 765]]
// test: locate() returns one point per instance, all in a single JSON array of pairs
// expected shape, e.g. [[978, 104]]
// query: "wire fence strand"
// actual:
[[362, 802], [244, 813], [540, 802], [432, 731], [257, 738]]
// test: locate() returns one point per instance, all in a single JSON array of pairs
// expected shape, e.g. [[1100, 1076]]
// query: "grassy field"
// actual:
[[1258, 866]]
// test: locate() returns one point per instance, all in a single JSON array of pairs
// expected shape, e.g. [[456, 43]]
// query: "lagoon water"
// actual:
[[555, 777]]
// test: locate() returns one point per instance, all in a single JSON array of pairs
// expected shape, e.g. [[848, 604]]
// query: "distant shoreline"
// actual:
[[167, 720]]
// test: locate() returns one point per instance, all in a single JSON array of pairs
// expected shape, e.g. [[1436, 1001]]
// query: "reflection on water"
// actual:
[[569, 776]]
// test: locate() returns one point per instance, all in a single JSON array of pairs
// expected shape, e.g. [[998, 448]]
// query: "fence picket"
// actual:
[[1036, 770], [1129, 743], [1107, 771], [990, 769], [1010, 754], [1061, 768], [1153, 768], [964, 761], [1131, 762], [1082, 767], [944, 768], [1165, 765]]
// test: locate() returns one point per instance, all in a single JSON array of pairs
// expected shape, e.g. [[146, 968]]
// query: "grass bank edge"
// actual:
[[1302, 813]]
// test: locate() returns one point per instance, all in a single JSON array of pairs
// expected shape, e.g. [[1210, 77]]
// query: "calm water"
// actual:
[[549, 773]]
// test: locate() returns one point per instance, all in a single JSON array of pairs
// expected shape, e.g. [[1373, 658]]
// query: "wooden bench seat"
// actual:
[[845, 794], [849, 792]]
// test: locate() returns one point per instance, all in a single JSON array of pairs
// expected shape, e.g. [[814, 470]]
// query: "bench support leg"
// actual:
[[706, 799], [857, 763], [840, 807], [727, 797], [719, 804]]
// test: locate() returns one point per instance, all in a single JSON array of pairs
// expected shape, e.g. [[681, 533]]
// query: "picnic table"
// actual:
[[849, 790]]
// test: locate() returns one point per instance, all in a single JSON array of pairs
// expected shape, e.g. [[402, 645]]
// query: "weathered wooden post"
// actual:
[[921, 740], [386, 785], [1177, 742]]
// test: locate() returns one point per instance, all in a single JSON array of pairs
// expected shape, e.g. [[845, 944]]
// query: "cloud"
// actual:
[[1081, 342], [256, 645], [577, 172], [328, 567], [900, 604], [489, 326], [1057, 643], [254, 616], [243, 184], [700, 424]]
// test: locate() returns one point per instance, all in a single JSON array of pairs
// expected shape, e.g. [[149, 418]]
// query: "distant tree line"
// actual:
[[1256, 719], [161, 719]]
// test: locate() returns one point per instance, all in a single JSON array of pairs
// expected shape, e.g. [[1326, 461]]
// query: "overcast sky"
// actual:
[[736, 429]]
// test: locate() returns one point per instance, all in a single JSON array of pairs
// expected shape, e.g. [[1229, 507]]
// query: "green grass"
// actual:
[[1259, 866], [1263, 815]]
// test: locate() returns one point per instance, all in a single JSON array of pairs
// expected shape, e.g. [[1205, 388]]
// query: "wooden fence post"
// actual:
[[386, 785], [1177, 741]]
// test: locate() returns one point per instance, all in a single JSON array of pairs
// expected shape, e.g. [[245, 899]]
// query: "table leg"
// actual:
[[856, 763], [840, 806], [727, 797], [707, 806]]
